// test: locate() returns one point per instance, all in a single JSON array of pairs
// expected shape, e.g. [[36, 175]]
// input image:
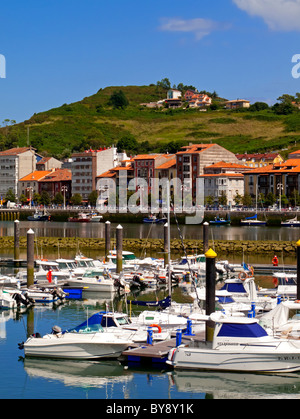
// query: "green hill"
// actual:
[[93, 123]]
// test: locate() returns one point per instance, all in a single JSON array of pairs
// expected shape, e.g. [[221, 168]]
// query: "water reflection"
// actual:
[[141, 231], [237, 385]]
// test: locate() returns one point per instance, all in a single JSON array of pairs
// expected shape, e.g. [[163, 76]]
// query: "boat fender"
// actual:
[[156, 325]]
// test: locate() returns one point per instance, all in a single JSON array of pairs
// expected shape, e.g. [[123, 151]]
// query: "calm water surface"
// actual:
[[109, 380]]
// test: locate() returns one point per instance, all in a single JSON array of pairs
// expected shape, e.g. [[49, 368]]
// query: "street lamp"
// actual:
[[30, 190], [280, 188], [64, 189]]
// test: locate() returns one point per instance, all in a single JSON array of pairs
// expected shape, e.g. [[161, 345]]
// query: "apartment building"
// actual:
[[278, 178], [88, 165], [15, 163], [260, 159], [29, 185], [191, 161]]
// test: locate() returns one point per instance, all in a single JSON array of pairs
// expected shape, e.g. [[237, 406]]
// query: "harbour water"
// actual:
[[110, 380]]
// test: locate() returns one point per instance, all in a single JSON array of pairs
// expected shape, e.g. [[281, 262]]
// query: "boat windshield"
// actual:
[[92, 274], [93, 328], [85, 263], [66, 265], [122, 320]]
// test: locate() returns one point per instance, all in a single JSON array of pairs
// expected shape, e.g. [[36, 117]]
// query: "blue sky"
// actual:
[[59, 51]]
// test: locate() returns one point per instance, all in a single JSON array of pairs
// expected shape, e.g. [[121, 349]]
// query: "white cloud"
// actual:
[[199, 27], [281, 15]]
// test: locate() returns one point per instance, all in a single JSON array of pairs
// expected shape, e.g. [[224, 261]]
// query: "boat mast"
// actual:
[[169, 238]]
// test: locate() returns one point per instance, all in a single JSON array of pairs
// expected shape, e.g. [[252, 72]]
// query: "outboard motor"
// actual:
[[22, 299]]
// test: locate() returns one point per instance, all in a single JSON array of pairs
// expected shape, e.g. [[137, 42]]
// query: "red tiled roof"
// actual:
[[168, 164], [15, 151], [58, 175], [35, 176], [194, 148]]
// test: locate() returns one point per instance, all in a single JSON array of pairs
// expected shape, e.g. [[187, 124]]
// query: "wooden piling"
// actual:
[[119, 245], [166, 245], [17, 240], [205, 237], [107, 239], [30, 257], [298, 270], [210, 291]]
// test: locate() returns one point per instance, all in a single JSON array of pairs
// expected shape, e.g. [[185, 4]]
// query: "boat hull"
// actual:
[[253, 223], [74, 347], [239, 361], [92, 285], [41, 218]]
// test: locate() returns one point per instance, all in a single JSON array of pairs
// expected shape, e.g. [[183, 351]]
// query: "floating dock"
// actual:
[[157, 353], [268, 269]]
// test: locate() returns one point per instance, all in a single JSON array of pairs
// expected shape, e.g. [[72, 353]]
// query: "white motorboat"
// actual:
[[244, 290], [93, 280], [83, 342], [285, 284], [13, 299], [95, 217], [138, 332], [239, 344], [283, 320]]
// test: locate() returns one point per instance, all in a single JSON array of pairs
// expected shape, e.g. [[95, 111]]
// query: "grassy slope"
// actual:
[[91, 123]]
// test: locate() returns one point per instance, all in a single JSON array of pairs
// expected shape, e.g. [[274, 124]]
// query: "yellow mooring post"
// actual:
[[210, 292]]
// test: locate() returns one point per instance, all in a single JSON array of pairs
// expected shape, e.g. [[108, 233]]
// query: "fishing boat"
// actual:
[[293, 222], [239, 344], [81, 218], [39, 216], [220, 221], [86, 341]]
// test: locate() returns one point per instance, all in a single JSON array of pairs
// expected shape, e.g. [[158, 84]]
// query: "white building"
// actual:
[[15, 164], [228, 184]]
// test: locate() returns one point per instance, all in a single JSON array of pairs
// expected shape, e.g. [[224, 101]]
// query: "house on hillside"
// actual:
[[237, 104]]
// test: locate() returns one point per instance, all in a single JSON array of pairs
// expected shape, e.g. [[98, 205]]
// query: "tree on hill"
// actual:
[[164, 83], [118, 100], [129, 144]]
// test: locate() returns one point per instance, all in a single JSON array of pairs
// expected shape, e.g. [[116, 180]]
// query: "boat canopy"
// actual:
[[252, 330], [166, 302], [234, 287]]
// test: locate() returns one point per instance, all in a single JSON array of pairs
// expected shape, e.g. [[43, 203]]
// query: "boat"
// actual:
[[283, 320], [152, 219], [81, 218], [13, 299], [93, 280], [39, 216], [220, 221], [86, 341], [239, 344], [293, 222], [95, 217], [253, 221]]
